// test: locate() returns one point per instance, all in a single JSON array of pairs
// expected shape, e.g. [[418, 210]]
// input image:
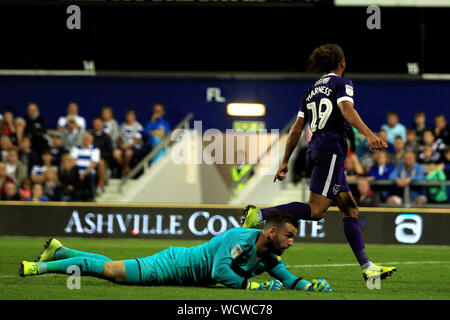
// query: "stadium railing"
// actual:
[[407, 188], [144, 164]]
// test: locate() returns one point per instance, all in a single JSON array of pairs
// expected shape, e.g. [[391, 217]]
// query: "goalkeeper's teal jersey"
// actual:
[[229, 258]]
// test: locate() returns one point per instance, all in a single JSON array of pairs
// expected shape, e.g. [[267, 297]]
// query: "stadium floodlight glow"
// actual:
[[246, 109]]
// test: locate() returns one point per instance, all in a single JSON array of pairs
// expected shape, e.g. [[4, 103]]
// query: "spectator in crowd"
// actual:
[[382, 169], [25, 189], [72, 112], [366, 196], [403, 174], [14, 168], [156, 129], [412, 144], [399, 146], [36, 129], [52, 188], [21, 125], [129, 143], [27, 155], [69, 179], [57, 148], [442, 129], [352, 166], [419, 125], [393, 128], [447, 162], [102, 141], [383, 136], [5, 147], [38, 170], [11, 193], [37, 193], [87, 158], [4, 179], [436, 145], [7, 125], [110, 125], [71, 136]]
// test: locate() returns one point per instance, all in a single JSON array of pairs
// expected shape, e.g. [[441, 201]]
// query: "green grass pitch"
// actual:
[[422, 272]]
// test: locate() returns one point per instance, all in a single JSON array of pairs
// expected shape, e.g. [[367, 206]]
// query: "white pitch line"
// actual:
[[356, 264]]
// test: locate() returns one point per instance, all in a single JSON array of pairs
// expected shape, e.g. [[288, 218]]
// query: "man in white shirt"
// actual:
[[72, 110], [87, 158]]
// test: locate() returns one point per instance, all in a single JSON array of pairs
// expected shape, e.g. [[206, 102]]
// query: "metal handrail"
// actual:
[[285, 129], [144, 164]]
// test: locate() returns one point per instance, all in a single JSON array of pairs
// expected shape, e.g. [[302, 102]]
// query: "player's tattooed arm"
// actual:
[[351, 115], [292, 141]]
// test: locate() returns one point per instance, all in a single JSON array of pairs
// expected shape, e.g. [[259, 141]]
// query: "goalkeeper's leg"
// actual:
[[123, 271], [54, 250]]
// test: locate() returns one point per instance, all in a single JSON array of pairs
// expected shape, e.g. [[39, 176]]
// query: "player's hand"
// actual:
[[320, 285], [282, 172], [272, 285], [376, 143]]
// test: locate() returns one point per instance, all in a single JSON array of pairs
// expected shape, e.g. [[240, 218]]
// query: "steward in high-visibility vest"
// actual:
[[237, 172]]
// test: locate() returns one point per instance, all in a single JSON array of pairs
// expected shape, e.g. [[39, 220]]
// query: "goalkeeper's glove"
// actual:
[[315, 285], [273, 284]]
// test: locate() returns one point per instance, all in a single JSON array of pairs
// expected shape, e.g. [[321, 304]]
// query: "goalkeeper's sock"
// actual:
[[354, 237], [88, 266], [65, 253], [298, 209]]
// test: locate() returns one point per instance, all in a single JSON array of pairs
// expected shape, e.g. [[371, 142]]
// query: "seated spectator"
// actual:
[[14, 168], [38, 170], [37, 193], [69, 179], [4, 179], [36, 129], [412, 144], [436, 194], [102, 141], [352, 166], [7, 125], [110, 125], [25, 189], [156, 130], [399, 146], [11, 193], [27, 155], [437, 146], [382, 169], [129, 143], [390, 147], [57, 148], [442, 129], [403, 174], [72, 112], [393, 128], [366, 197], [71, 136], [5, 147], [21, 125], [419, 125], [87, 158], [52, 188]]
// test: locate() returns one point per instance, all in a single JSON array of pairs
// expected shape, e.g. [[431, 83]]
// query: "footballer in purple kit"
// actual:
[[328, 107]]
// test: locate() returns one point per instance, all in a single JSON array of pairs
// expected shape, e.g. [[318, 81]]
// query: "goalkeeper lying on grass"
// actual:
[[231, 258]]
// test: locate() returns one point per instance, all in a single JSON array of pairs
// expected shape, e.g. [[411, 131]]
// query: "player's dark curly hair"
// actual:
[[325, 58], [278, 218]]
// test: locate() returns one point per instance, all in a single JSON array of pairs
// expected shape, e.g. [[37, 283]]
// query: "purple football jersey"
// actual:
[[319, 107]]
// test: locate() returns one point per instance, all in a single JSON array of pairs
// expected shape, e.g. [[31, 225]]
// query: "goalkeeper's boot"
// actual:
[[28, 269], [376, 271], [252, 217], [48, 253]]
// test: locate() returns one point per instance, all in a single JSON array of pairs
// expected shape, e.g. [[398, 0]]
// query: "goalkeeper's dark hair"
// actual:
[[325, 58], [277, 218]]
